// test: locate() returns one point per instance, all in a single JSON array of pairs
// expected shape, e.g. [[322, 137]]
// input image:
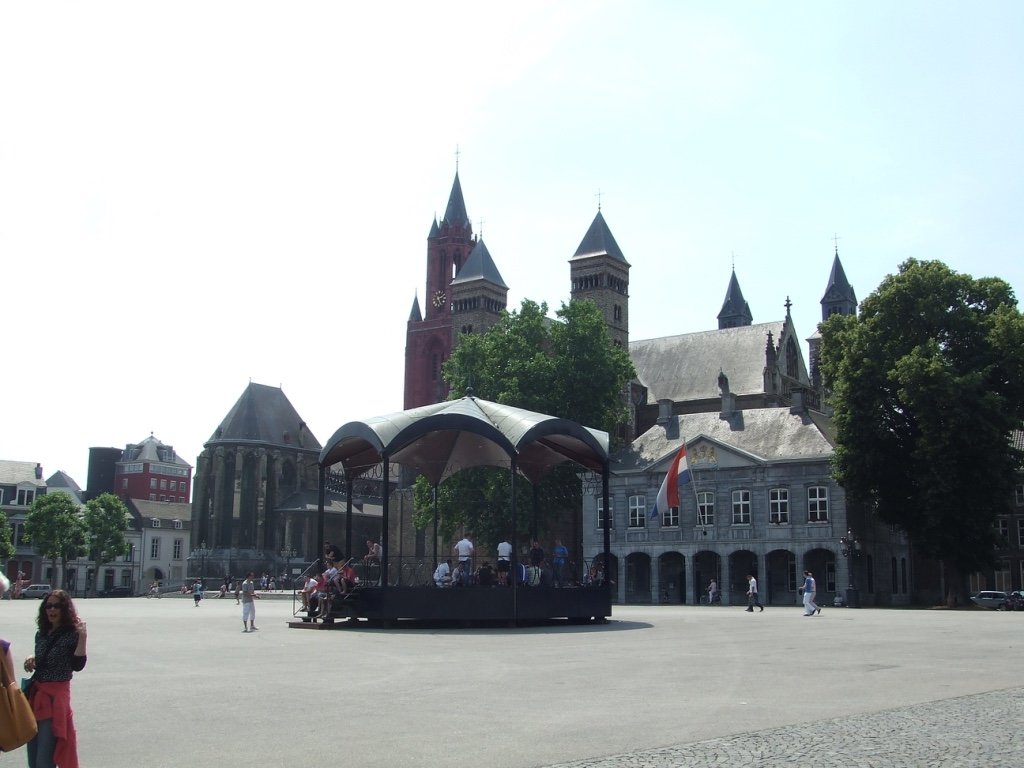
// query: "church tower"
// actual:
[[735, 310], [479, 295], [429, 337], [600, 272], [839, 299]]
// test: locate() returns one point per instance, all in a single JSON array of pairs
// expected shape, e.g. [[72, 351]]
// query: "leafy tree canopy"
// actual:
[[54, 526], [567, 368], [927, 384], [6, 540], [106, 517]]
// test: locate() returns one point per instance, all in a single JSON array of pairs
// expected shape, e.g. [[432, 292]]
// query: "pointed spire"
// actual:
[[415, 315], [480, 266], [434, 230], [455, 214], [735, 310], [839, 296], [599, 241]]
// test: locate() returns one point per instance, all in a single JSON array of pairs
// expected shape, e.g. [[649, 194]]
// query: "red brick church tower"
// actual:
[[429, 337]]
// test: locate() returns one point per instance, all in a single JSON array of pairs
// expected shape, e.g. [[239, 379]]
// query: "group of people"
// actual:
[[808, 589], [320, 589], [59, 652], [540, 570]]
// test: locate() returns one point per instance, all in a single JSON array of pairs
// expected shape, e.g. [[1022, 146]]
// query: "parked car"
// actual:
[[991, 599], [37, 591], [1015, 601], [116, 592]]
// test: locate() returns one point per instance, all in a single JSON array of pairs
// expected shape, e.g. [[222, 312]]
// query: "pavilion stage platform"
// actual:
[[465, 606]]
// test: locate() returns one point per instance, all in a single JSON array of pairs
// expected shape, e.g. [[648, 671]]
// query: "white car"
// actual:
[[38, 591], [991, 599]]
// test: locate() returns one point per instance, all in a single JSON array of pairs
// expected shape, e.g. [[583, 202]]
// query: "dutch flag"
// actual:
[[668, 494]]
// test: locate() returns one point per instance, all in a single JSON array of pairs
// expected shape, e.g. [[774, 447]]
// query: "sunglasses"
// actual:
[[54, 606]]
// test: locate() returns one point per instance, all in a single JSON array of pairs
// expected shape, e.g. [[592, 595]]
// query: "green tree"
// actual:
[[106, 518], [6, 539], [927, 384], [56, 529], [567, 368]]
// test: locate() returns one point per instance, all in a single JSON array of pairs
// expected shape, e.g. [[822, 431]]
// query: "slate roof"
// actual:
[[264, 415], [685, 367], [153, 450], [15, 472], [735, 305], [163, 510], [765, 435], [838, 286], [455, 213], [480, 266], [599, 242], [415, 315], [62, 480]]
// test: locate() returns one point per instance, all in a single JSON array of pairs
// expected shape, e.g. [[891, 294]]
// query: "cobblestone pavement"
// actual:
[[968, 732]]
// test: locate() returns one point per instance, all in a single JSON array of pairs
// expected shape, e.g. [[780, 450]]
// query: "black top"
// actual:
[[55, 656]]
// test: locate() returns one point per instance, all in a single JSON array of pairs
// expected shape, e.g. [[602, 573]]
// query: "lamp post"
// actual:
[[200, 552], [849, 546], [288, 553]]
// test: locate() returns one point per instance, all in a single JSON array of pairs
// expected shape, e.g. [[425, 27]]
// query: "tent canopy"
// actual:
[[439, 440]]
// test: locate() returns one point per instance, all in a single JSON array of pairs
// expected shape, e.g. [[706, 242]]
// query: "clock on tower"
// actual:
[[439, 299]]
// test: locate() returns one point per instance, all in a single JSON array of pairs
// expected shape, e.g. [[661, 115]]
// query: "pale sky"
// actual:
[[194, 195]]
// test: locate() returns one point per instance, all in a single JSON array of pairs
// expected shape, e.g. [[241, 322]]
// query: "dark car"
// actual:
[[117, 592], [1015, 601], [991, 599]]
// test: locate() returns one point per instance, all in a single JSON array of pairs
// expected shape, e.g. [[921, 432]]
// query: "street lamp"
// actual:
[[849, 546], [201, 552], [288, 553]]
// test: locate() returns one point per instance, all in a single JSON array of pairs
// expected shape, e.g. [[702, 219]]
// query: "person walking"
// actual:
[[249, 595], [752, 598], [60, 651], [810, 589], [197, 591]]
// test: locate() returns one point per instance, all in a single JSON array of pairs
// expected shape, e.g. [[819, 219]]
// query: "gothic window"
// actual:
[[792, 368]]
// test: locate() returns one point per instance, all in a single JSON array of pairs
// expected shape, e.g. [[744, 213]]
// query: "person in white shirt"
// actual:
[[810, 588], [752, 598], [464, 549], [504, 562], [443, 574]]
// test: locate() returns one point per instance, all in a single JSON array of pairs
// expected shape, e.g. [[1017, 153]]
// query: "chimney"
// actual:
[[39, 471], [728, 405], [796, 397], [664, 411]]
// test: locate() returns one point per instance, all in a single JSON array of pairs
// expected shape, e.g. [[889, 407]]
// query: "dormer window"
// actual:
[[177, 525], [156, 522]]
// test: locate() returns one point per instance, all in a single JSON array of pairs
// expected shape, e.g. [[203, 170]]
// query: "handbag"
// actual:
[[17, 721]]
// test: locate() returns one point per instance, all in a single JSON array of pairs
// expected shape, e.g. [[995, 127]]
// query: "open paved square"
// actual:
[[171, 685]]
